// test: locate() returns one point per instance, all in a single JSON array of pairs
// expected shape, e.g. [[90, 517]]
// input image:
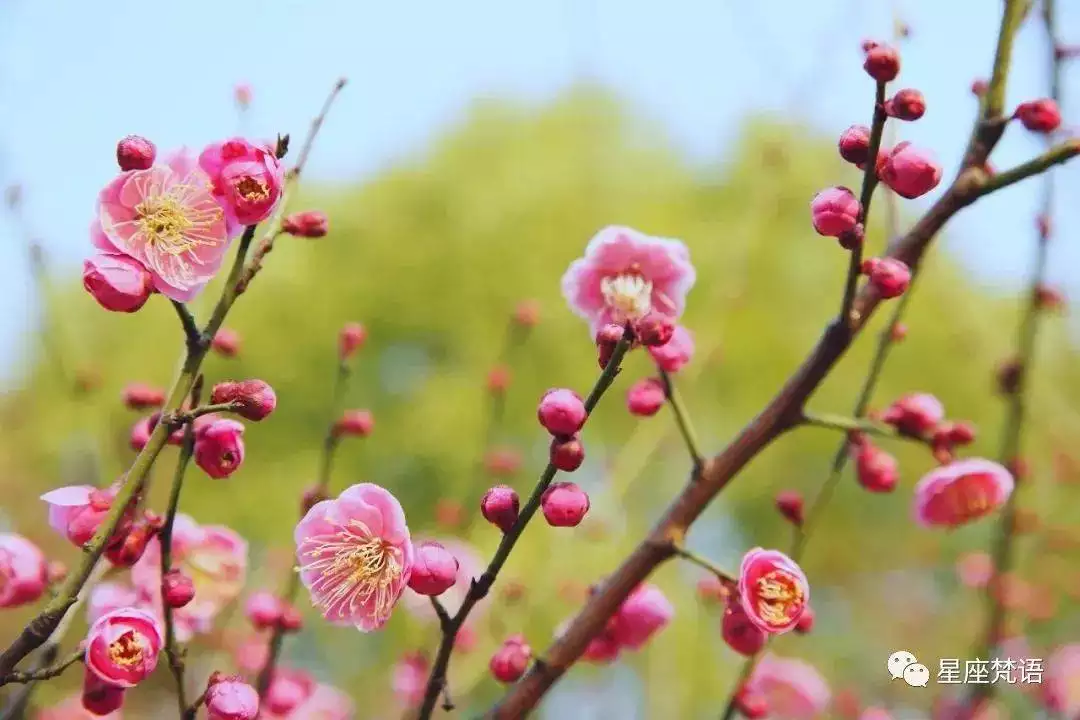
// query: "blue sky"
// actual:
[[75, 76]]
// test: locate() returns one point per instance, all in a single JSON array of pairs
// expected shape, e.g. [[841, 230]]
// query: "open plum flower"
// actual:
[[214, 557], [625, 274], [247, 178], [961, 492], [167, 219], [23, 571], [792, 688], [122, 647], [773, 590], [355, 555]]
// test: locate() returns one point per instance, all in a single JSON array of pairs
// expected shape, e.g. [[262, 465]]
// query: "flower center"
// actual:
[[252, 189], [628, 296], [355, 568], [127, 650], [779, 597], [165, 224], [968, 498]]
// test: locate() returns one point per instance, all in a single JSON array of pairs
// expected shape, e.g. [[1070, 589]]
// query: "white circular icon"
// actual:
[[916, 675], [898, 661]]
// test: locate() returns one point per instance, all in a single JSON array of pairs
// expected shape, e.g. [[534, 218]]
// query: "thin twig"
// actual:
[[1027, 334], [173, 652], [479, 587], [857, 423], [322, 484], [187, 322], [705, 564], [45, 673], [777, 417], [184, 417], [682, 419]]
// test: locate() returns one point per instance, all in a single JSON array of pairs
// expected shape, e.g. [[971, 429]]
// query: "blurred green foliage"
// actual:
[[432, 255]]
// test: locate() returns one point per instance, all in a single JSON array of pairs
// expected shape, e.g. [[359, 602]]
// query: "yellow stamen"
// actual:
[[629, 296], [778, 595], [355, 567], [252, 189], [127, 650]]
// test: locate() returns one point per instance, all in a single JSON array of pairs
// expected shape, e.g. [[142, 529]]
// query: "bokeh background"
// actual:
[[477, 148]]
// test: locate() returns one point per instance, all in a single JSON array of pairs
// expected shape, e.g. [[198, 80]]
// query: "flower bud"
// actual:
[[1048, 298], [291, 619], [306, 224], [219, 447], [242, 95], [498, 380], [876, 470], [915, 414], [606, 341], [882, 63], [354, 423], [527, 313], [511, 660], [135, 153], [741, 635], [564, 504], [835, 211], [1041, 116], [117, 282], [907, 104], [654, 329], [263, 610], [177, 589], [231, 699], [646, 397], [853, 238], [910, 172], [55, 572], [790, 505], [129, 547], [500, 506], [750, 704], [502, 461], [253, 399], [711, 589], [138, 396], [898, 332], [979, 87], [561, 412], [226, 343], [99, 697], [350, 339], [566, 453], [855, 144], [889, 276], [435, 569], [288, 688]]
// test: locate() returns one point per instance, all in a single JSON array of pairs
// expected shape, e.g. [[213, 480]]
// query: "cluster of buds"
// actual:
[[266, 611], [78, 511]]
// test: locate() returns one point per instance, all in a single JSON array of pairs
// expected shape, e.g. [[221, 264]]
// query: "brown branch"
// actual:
[[1012, 434], [777, 417], [45, 673], [322, 483], [479, 587]]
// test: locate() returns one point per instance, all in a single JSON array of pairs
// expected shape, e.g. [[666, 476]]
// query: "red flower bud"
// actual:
[[527, 313], [498, 380], [566, 453], [855, 144], [253, 399], [356, 423], [263, 610], [511, 660], [561, 412], [876, 470], [889, 276], [654, 329], [177, 589], [226, 342], [907, 104], [790, 505], [117, 282], [1041, 116], [350, 339], [135, 153], [564, 504], [500, 506], [741, 635], [606, 341], [138, 396], [882, 63], [307, 224], [291, 619], [646, 397], [835, 211], [910, 172]]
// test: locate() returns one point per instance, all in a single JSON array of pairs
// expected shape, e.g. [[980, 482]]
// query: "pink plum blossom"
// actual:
[[325, 703], [105, 597], [772, 590], [247, 179], [122, 646], [625, 274], [645, 612], [231, 699], [409, 680], [356, 556], [676, 352], [77, 511], [793, 688], [118, 283], [961, 492], [24, 573], [214, 557], [166, 218], [1061, 685]]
